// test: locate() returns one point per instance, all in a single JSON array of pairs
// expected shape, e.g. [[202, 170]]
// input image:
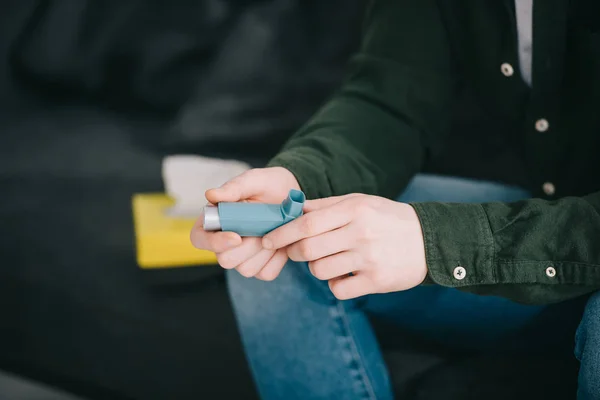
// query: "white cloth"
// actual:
[[524, 12], [187, 177]]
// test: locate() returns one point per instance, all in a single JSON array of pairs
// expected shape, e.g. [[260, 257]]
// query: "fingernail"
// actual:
[[267, 244]]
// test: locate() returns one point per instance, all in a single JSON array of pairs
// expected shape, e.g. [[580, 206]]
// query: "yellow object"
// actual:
[[163, 241]]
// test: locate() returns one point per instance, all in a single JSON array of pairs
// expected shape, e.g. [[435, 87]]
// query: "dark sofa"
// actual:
[[84, 125]]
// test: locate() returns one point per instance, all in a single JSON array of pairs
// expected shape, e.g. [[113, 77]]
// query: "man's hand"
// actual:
[[247, 256], [361, 244]]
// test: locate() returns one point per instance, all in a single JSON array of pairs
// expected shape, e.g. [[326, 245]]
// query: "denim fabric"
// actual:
[[587, 350], [302, 343]]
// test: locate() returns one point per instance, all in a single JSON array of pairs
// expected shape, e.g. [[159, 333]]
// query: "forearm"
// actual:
[[352, 146], [391, 112]]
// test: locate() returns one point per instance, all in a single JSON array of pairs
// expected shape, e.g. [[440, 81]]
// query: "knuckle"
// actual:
[[305, 250], [226, 261], [307, 225], [338, 292], [338, 295], [380, 282], [232, 184], [212, 242], [246, 272], [361, 206], [267, 276], [251, 173], [273, 269], [366, 233], [370, 255], [317, 270], [237, 184], [294, 256]]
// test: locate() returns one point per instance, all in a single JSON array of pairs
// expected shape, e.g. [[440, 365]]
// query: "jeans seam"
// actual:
[[355, 353]]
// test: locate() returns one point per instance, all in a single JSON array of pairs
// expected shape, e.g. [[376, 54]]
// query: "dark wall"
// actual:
[[92, 95]]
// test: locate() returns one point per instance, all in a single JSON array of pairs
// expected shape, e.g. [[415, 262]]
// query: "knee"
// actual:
[[588, 333], [593, 304], [587, 350]]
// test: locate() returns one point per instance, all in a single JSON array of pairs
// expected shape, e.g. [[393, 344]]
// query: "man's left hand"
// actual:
[[361, 244]]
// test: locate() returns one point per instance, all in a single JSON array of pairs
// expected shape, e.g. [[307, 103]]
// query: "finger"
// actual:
[[274, 267], [350, 287], [326, 244], [313, 205], [335, 266], [308, 225], [254, 265], [217, 242], [234, 257], [249, 184]]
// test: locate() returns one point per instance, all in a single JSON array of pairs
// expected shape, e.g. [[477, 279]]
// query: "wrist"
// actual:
[[287, 177], [412, 246], [419, 244]]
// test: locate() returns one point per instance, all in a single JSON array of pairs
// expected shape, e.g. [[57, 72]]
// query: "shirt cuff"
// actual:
[[308, 169], [459, 245]]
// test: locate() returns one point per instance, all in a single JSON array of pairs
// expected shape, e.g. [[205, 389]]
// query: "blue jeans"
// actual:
[[302, 343]]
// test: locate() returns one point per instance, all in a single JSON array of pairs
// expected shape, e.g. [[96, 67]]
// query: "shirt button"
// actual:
[[507, 69], [542, 125], [460, 273], [551, 272], [549, 188]]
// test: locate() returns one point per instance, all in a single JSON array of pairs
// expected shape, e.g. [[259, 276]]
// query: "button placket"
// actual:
[[549, 188], [507, 69], [542, 125]]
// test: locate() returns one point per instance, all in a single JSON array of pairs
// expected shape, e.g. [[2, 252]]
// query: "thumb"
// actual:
[[314, 205], [240, 188]]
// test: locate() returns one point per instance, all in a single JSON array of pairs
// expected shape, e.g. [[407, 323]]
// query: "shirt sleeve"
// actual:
[[534, 251], [390, 114]]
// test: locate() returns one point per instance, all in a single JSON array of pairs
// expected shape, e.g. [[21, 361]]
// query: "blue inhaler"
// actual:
[[253, 219]]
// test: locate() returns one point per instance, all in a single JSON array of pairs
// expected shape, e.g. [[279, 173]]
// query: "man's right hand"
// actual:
[[246, 255]]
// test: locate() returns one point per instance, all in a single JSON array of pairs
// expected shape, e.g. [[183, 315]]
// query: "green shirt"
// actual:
[[394, 115]]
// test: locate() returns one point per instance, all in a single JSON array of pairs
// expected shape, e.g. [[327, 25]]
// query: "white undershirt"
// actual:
[[524, 12]]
